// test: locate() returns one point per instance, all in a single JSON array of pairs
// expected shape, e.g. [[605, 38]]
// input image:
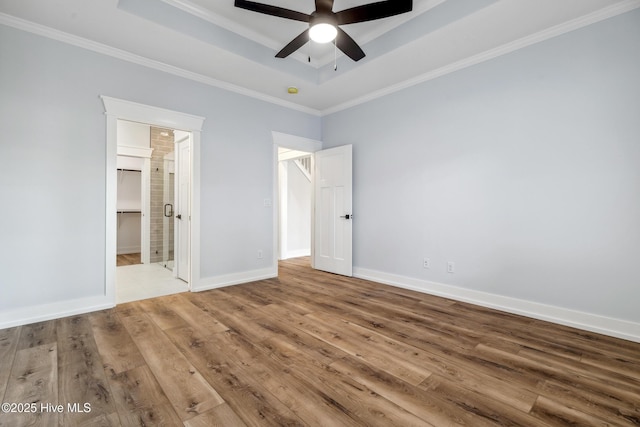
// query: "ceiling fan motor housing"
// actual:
[[323, 18]]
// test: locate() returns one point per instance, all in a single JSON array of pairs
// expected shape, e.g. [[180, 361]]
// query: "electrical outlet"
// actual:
[[426, 263], [451, 267], [259, 253]]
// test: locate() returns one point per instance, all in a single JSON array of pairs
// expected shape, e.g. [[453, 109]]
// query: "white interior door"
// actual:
[[183, 210], [333, 215]]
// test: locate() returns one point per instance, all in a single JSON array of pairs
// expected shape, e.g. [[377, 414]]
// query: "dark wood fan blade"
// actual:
[[369, 12], [324, 5], [294, 45], [350, 48], [272, 10]]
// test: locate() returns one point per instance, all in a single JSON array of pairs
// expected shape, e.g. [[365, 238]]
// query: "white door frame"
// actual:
[[116, 109], [292, 142], [182, 208]]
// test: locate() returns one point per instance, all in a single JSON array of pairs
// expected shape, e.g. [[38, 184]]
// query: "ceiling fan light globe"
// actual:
[[323, 32]]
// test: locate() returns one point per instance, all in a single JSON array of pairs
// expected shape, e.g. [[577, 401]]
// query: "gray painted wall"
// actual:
[[524, 171], [52, 178]]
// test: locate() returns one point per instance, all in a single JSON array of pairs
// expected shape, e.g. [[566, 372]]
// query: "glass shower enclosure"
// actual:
[[162, 197]]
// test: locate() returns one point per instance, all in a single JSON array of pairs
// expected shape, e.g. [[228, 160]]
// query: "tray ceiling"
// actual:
[[214, 42]]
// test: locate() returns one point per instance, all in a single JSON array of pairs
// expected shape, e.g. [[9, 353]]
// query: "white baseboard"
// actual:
[[215, 282], [128, 250], [577, 319], [39, 313]]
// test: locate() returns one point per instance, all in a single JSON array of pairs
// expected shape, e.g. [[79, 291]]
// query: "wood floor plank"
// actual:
[[276, 320], [317, 349], [162, 314], [619, 411], [139, 399], [571, 374], [304, 398], [610, 374], [133, 308], [103, 420], [481, 408], [238, 316], [33, 380], [413, 399], [119, 352], [360, 347], [390, 309], [8, 345], [189, 393], [441, 346], [220, 416], [301, 360], [556, 413], [353, 398], [286, 347], [590, 342], [37, 334], [255, 405], [128, 259], [192, 314], [81, 377], [620, 364], [298, 393], [455, 368]]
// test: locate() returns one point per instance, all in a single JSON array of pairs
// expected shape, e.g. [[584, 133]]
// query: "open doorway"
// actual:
[[331, 203], [295, 203], [293, 228], [120, 109], [153, 188]]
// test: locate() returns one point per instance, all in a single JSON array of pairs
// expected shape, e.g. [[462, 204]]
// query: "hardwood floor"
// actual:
[[128, 259], [312, 348]]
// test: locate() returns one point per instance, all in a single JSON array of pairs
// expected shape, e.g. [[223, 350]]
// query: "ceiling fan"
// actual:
[[324, 23]]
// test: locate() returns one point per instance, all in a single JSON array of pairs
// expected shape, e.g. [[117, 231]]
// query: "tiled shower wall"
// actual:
[[161, 145]]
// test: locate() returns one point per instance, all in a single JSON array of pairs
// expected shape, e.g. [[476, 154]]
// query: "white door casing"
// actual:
[[126, 110], [292, 142], [333, 210], [183, 209]]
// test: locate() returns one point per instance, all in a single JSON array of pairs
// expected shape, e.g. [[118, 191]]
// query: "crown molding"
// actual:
[[227, 24], [591, 18], [241, 30], [91, 45], [566, 27]]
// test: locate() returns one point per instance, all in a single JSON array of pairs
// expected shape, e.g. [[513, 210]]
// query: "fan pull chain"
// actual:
[[335, 54]]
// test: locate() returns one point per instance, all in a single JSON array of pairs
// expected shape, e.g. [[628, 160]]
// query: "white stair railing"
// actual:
[[304, 164]]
